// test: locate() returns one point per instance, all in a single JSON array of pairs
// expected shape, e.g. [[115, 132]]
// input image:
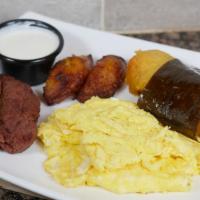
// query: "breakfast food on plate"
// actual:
[[104, 79], [19, 111], [173, 95], [73, 77], [113, 144], [142, 67], [66, 78], [172, 92]]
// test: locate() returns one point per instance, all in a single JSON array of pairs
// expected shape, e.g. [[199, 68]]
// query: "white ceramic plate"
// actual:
[[25, 169]]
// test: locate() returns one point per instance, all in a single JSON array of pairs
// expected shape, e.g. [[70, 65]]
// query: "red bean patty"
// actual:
[[19, 111]]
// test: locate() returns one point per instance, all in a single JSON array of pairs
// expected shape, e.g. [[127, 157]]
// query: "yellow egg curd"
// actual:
[[113, 144]]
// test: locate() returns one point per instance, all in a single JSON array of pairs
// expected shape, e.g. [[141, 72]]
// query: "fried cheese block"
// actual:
[[142, 66], [104, 79], [66, 78]]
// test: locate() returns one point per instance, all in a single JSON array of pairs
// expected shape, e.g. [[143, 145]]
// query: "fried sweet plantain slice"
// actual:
[[104, 79], [66, 78]]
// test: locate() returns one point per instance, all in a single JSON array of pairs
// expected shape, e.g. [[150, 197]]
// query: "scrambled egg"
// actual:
[[115, 145]]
